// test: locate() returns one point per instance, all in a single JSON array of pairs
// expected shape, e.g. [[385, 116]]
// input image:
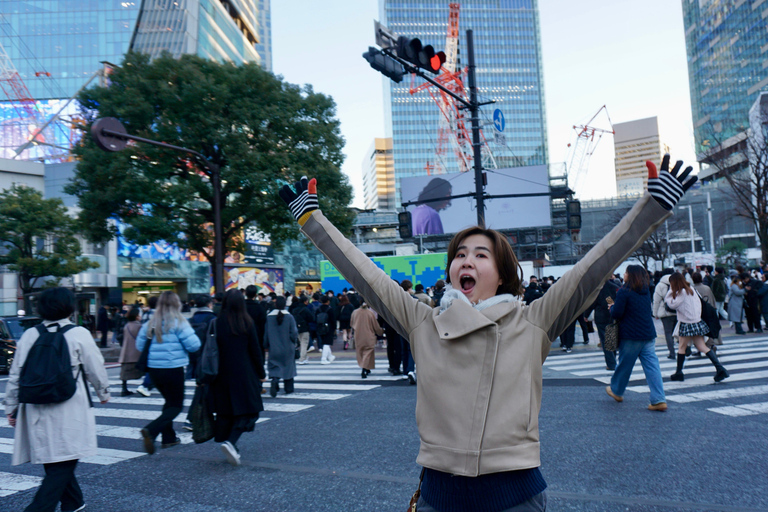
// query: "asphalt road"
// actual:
[[344, 443]]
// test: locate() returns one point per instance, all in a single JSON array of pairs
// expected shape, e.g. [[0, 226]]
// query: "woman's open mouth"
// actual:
[[467, 284]]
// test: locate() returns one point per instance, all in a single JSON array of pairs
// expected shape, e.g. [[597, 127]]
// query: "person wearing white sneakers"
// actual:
[[326, 329]]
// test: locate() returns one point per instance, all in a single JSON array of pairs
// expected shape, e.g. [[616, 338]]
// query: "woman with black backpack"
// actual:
[[56, 433]]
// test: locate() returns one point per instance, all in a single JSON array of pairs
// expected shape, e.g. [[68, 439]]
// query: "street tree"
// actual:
[[744, 165], [732, 253], [262, 131], [37, 238]]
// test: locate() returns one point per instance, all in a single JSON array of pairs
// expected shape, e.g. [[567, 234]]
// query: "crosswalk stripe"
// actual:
[[702, 381], [718, 395], [742, 410], [103, 457], [688, 370], [598, 359], [11, 483]]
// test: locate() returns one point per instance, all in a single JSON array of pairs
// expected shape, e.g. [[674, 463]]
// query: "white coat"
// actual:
[[64, 431]]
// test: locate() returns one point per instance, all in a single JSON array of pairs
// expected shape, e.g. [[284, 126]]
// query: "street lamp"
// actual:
[[693, 244], [109, 134]]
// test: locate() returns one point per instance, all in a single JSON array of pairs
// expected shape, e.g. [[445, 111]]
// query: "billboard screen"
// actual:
[[440, 215], [418, 268]]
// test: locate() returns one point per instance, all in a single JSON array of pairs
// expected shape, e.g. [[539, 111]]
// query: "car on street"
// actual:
[[11, 329]]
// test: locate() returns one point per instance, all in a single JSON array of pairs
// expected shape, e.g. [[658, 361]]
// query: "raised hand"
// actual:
[[302, 201], [666, 186]]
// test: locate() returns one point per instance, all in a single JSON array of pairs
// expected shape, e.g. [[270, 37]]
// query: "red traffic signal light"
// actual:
[[419, 55]]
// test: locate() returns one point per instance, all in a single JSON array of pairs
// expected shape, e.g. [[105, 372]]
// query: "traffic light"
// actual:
[[387, 66], [405, 229], [574, 214], [419, 55]]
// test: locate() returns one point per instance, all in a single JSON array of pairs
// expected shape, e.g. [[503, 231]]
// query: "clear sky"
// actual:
[[625, 54]]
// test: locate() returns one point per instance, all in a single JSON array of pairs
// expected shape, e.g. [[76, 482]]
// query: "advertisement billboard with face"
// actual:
[[436, 214]]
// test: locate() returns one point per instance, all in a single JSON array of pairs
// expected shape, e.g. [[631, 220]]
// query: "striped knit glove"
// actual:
[[303, 201], [666, 186]]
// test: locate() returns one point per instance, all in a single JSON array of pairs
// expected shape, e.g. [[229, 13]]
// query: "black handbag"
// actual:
[[200, 416], [143, 363], [710, 317]]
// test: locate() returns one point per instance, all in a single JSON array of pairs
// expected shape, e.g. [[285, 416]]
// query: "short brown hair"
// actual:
[[510, 272], [696, 278]]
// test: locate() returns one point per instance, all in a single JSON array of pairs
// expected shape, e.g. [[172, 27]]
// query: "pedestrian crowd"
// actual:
[[480, 338]]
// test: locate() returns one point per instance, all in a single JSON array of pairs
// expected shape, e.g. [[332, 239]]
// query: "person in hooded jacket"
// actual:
[[480, 355], [637, 338], [236, 390], [281, 337]]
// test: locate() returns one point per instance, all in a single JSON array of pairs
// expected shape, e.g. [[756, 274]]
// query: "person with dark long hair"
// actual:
[[236, 390], [281, 337], [690, 327], [637, 338], [172, 339]]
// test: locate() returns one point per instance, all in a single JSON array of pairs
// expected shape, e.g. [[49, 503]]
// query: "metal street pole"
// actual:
[[110, 135], [693, 245], [474, 110], [711, 231]]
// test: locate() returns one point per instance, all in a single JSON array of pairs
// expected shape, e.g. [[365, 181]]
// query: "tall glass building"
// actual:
[[727, 46], [58, 45], [509, 71]]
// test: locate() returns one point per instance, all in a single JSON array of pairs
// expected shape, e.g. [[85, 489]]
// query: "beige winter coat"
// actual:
[[366, 328], [480, 371], [67, 430]]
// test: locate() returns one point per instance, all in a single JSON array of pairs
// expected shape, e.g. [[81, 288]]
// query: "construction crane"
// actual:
[[587, 139], [452, 130]]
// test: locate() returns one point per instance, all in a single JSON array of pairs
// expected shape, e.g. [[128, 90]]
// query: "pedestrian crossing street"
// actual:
[[744, 393], [118, 422]]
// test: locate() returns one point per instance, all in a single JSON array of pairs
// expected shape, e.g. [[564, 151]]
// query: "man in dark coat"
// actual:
[[102, 325], [326, 339], [257, 313], [313, 307], [303, 317], [603, 318], [753, 303], [533, 291]]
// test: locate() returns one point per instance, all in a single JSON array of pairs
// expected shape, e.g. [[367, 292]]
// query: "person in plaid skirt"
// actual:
[[690, 328]]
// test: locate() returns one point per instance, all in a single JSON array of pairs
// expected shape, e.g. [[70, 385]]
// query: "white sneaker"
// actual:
[[325, 361], [143, 391], [331, 358], [412, 378], [230, 452], [310, 349], [302, 362]]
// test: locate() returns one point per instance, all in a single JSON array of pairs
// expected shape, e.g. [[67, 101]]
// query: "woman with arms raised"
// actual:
[[480, 354]]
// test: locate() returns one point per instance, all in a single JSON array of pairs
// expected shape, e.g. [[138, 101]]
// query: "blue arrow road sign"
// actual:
[[498, 120]]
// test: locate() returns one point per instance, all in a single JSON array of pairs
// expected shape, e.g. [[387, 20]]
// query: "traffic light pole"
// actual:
[[474, 109]]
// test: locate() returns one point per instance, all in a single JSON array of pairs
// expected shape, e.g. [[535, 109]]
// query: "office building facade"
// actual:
[[509, 72], [379, 176], [635, 142], [727, 47]]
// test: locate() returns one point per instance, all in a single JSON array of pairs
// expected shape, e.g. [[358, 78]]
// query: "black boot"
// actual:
[[363, 375], [722, 373], [274, 387], [125, 391], [288, 385], [678, 375]]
